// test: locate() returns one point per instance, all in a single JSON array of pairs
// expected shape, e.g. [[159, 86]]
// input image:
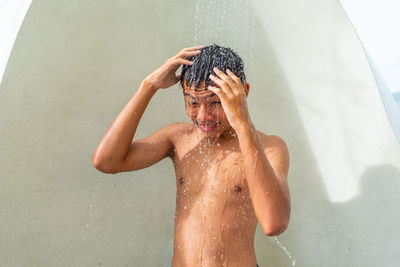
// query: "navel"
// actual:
[[181, 181]]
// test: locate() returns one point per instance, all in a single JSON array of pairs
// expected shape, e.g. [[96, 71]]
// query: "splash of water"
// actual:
[[274, 239]]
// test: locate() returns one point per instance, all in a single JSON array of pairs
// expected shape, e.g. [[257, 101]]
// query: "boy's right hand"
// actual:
[[165, 76]]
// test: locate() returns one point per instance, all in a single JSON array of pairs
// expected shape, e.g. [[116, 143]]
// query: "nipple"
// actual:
[[238, 189]]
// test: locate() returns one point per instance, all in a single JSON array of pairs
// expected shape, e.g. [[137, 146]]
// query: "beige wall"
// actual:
[[75, 64]]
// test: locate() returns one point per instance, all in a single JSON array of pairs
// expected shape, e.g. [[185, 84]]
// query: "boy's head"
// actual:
[[203, 106], [211, 56]]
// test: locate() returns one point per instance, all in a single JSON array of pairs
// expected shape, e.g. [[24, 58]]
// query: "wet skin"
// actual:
[[215, 222], [229, 176]]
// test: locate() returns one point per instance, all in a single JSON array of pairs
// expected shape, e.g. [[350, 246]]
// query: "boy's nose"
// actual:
[[204, 113]]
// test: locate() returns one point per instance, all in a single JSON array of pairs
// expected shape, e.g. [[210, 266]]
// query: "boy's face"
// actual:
[[205, 110]]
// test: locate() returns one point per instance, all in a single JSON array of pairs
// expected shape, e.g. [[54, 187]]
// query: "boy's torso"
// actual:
[[215, 221]]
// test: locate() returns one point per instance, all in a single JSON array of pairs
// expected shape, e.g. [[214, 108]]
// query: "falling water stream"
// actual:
[[231, 24], [90, 214], [274, 239]]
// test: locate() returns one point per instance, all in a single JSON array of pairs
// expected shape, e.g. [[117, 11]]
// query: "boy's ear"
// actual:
[[246, 87]]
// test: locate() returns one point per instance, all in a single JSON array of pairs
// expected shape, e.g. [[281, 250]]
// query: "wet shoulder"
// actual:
[[179, 131], [273, 144]]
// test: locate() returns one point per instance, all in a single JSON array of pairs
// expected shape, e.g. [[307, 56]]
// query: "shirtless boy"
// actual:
[[229, 176]]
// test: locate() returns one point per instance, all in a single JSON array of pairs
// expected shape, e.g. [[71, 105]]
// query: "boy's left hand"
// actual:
[[231, 92]]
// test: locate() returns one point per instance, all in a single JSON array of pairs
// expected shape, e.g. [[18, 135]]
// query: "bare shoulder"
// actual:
[[177, 132], [271, 141], [173, 129], [274, 145], [277, 152], [178, 129], [166, 135]]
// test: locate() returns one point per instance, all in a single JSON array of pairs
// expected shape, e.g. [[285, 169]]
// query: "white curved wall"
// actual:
[[75, 65], [12, 14]]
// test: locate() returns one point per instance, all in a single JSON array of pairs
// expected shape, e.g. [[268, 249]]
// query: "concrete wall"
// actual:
[[75, 64]]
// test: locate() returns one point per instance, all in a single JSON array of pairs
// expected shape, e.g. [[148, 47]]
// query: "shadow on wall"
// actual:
[[366, 225], [320, 231], [359, 229], [81, 100], [273, 110]]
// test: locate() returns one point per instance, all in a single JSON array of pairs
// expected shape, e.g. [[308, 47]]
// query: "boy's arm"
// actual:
[[112, 152], [266, 177], [266, 166], [116, 151]]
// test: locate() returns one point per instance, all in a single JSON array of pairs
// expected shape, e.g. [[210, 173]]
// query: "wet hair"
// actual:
[[211, 56]]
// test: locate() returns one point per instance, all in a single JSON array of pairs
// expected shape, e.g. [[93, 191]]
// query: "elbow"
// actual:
[[275, 229], [105, 170], [278, 224], [101, 166]]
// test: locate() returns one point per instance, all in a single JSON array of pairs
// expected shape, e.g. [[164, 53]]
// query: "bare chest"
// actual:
[[213, 174]]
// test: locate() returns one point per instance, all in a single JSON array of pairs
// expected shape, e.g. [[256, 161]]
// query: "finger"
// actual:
[[221, 83], [183, 61], [238, 83], [224, 77], [185, 54], [218, 91], [188, 49], [178, 77], [194, 47]]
